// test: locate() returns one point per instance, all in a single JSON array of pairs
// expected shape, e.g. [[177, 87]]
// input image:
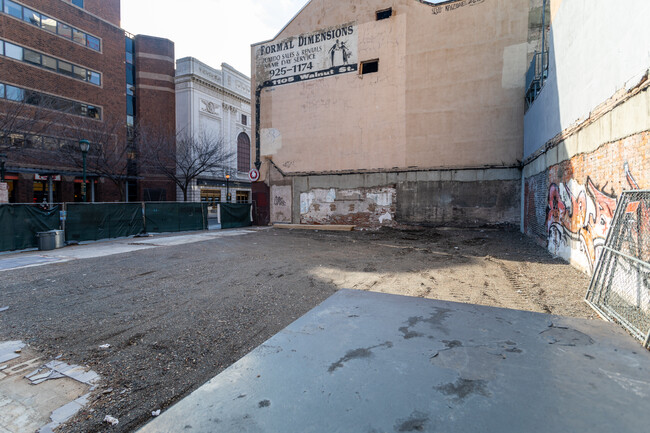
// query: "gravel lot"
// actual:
[[177, 316]]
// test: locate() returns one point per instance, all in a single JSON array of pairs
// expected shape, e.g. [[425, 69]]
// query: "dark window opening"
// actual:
[[244, 119], [369, 67], [385, 14], [243, 152]]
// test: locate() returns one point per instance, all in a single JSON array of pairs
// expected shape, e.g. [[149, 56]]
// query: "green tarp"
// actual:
[[235, 215], [91, 222], [20, 223], [175, 217]]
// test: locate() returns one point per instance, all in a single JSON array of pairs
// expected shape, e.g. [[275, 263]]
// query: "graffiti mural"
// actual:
[[579, 218]]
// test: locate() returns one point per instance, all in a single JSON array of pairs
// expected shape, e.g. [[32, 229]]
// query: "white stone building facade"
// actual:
[[216, 102]]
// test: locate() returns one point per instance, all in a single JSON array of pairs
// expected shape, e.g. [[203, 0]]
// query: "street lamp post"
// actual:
[[227, 188], [3, 159], [84, 145]]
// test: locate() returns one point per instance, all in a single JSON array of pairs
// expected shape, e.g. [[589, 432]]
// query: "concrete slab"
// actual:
[[10, 350], [371, 362], [89, 250], [25, 407], [188, 239], [25, 261]]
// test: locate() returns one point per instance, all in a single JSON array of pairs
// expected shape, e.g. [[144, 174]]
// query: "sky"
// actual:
[[213, 31]]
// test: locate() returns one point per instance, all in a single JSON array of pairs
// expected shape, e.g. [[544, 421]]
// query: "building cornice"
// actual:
[[218, 88]]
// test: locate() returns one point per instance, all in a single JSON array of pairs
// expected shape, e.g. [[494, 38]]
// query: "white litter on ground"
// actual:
[[112, 421]]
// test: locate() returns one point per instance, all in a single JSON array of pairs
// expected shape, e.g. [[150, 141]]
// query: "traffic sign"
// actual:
[[254, 175]]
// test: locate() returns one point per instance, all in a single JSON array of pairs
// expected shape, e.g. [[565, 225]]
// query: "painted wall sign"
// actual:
[[324, 53]]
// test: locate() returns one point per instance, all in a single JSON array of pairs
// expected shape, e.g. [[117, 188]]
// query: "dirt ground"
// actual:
[[176, 316]]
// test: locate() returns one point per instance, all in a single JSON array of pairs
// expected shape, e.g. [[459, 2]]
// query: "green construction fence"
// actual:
[[175, 217], [20, 223], [95, 221], [235, 215]]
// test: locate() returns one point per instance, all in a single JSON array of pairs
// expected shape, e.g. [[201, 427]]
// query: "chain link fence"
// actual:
[[620, 286]]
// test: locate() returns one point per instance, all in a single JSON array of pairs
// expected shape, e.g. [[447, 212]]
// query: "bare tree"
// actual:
[[184, 157], [109, 153], [22, 118]]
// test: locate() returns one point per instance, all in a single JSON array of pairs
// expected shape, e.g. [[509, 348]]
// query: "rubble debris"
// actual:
[[58, 369]]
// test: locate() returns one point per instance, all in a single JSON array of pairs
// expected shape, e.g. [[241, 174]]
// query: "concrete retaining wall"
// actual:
[[471, 197]]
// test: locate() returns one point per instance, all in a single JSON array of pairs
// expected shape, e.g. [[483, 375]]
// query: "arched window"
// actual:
[[243, 152]]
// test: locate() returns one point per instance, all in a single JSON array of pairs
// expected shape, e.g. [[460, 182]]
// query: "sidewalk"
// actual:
[[86, 250]]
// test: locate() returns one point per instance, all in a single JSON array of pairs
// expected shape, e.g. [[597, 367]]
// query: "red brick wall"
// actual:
[[106, 9], [110, 96], [155, 101], [110, 62], [570, 206]]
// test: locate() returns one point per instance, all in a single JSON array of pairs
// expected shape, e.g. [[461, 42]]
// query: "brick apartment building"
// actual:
[[69, 72]]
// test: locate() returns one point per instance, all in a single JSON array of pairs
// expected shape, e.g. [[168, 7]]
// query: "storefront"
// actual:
[[47, 189], [215, 191]]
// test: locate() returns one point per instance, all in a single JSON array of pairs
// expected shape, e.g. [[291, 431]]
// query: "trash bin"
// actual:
[[50, 240]]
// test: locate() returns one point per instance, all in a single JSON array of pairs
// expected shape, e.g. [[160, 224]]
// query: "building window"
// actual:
[[243, 152], [67, 106], [384, 14], [129, 46], [32, 56], [65, 68], [48, 63], [29, 16], [79, 3], [80, 73], [95, 78], [130, 105], [51, 25], [242, 196], [64, 30], [79, 36], [369, 67], [26, 55], [14, 93], [244, 119], [13, 51], [13, 9], [93, 43]]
